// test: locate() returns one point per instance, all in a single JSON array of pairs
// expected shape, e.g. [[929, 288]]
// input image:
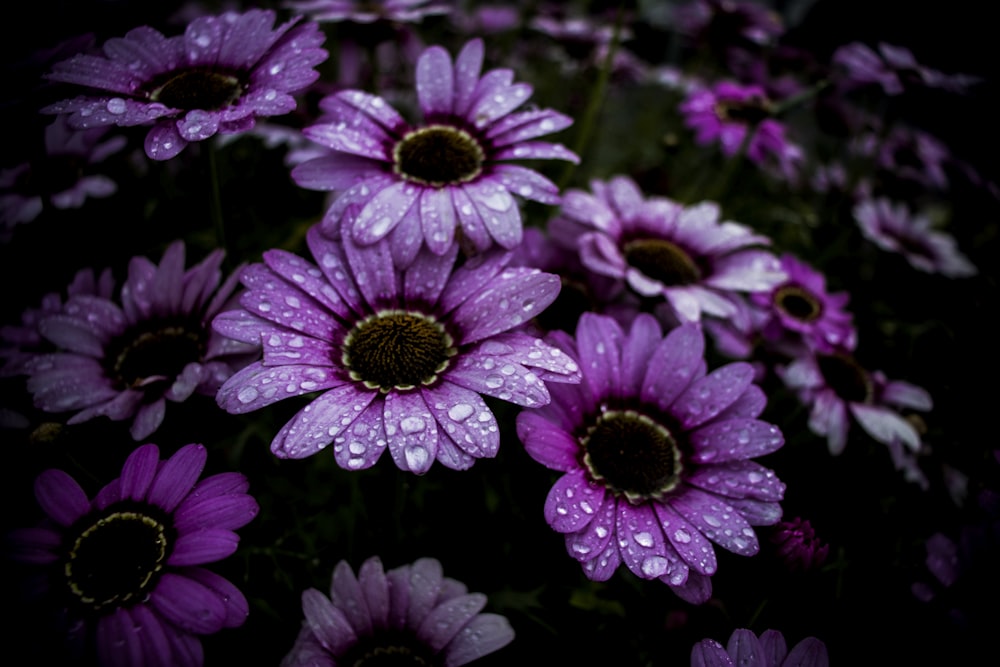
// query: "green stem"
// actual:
[[596, 101], [215, 203]]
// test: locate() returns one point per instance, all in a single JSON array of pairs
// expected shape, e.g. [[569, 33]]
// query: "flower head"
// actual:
[[725, 113], [892, 228], [655, 455], [745, 649], [125, 359], [424, 183], [403, 358], [221, 75], [662, 249], [835, 385], [798, 546], [64, 177], [411, 613], [802, 306], [124, 569]]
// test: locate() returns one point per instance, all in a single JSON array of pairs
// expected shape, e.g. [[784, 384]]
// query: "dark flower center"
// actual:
[[663, 261], [196, 88], [389, 649], [632, 454], [438, 155], [396, 349], [117, 558], [846, 377], [750, 111], [798, 303], [158, 350]]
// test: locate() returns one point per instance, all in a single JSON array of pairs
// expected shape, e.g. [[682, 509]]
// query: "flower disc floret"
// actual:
[[438, 155], [655, 454], [396, 349]]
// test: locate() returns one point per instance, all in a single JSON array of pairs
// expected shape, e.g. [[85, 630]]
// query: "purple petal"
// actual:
[[256, 386], [118, 643], [425, 586], [597, 535], [164, 141], [446, 620], [229, 512], [411, 431], [317, 424], [573, 502], [738, 479], [362, 445], [383, 212], [603, 566], [885, 425], [468, 64], [501, 379], [505, 303], [598, 344], [177, 477], [744, 648], [188, 604], [717, 520], [375, 587], [483, 635], [435, 87], [139, 471], [346, 595], [733, 440], [673, 366], [643, 546], [60, 497], [437, 219], [205, 546], [712, 394], [327, 622], [237, 608], [810, 652], [464, 418], [686, 540], [709, 653], [545, 442]]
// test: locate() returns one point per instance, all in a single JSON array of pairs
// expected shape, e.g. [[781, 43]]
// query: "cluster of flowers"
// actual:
[[626, 343]]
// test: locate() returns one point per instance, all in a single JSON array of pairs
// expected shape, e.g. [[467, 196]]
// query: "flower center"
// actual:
[[196, 88], [632, 454], [389, 649], [749, 111], [153, 352], [846, 377], [438, 155], [396, 349], [117, 558], [798, 303], [663, 261]]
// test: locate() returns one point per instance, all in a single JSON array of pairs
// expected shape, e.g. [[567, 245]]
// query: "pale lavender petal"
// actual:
[[464, 418], [885, 425], [327, 622], [445, 621], [412, 431], [346, 595], [504, 304], [317, 424], [483, 635], [257, 386], [435, 86], [148, 418]]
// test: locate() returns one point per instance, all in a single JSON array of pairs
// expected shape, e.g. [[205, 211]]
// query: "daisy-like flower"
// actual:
[[802, 306], [64, 177], [745, 649], [893, 228], [655, 455], [402, 358], [837, 387], [662, 249], [726, 112], [407, 11], [423, 183], [124, 569], [222, 74], [125, 359], [409, 615]]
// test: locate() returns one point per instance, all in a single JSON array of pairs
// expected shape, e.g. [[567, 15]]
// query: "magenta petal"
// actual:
[[597, 535], [327, 622], [156, 645], [598, 344], [177, 477], [188, 604], [61, 497], [237, 608], [712, 394], [229, 512], [734, 439], [644, 548], [717, 520], [205, 546], [164, 141], [687, 540], [548, 444], [139, 471], [673, 366], [573, 502], [604, 564]]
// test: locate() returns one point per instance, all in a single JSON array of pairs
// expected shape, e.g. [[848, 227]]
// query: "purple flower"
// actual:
[[402, 358], [891, 227], [837, 387], [124, 569], [63, 178], [411, 614], [410, 11], [662, 249], [426, 183], [655, 455], [725, 112], [221, 75], [797, 545], [802, 306], [21, 343], [894, 68], [126, 359], [770, 650]]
